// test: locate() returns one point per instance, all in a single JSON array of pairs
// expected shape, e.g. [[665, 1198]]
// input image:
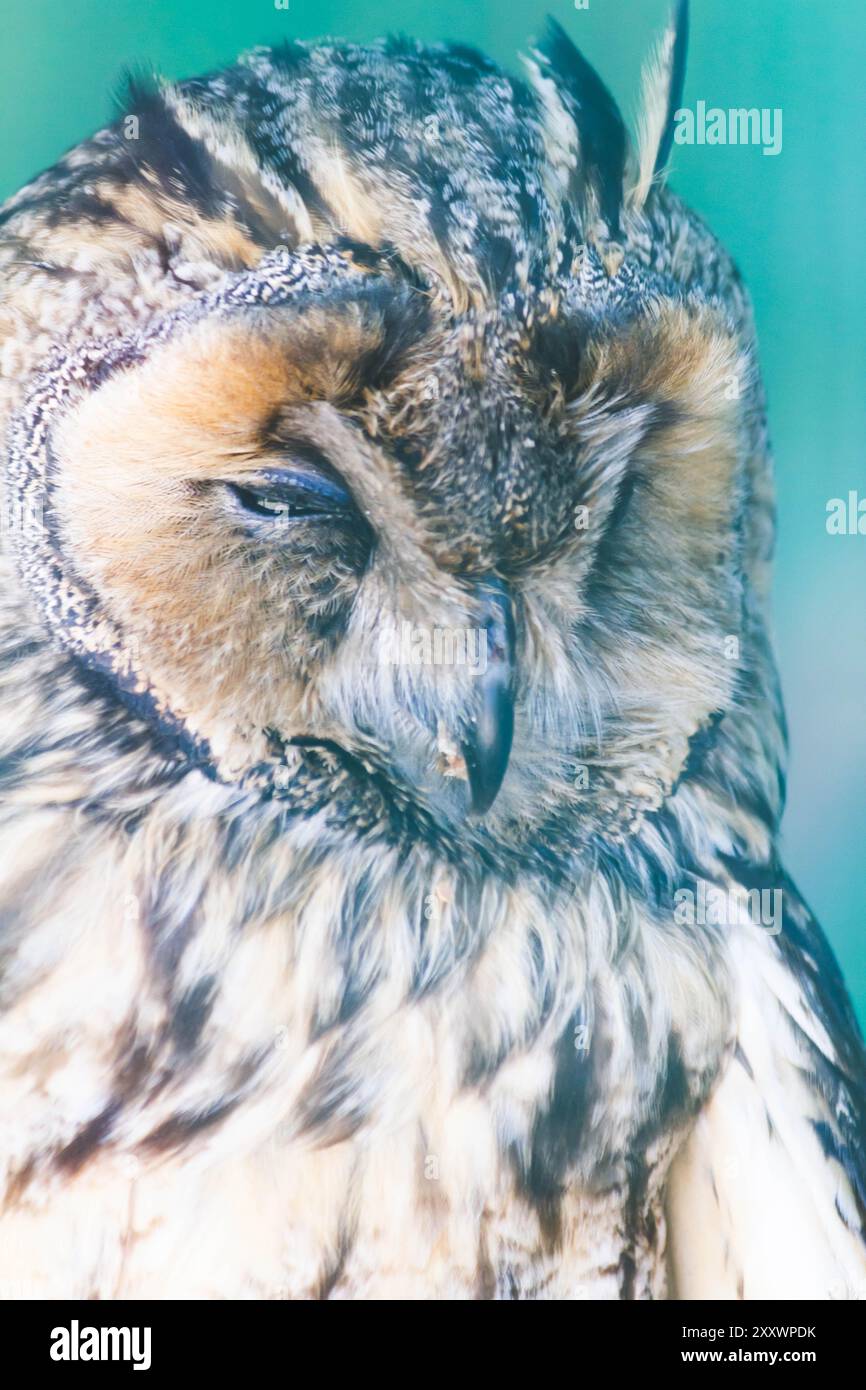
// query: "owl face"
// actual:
[[494, 559], [468, 519]]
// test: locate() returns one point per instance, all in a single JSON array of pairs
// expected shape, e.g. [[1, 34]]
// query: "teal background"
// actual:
[[795, 224]]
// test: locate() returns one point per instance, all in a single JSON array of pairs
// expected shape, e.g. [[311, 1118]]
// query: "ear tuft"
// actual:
[[137, 86], [601, 132], [176, 162], [663, 81]]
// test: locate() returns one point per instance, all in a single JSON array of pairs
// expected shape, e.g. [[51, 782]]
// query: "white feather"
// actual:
[[756, 1209]]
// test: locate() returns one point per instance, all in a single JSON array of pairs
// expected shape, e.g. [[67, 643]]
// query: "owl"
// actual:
[[392, 750]]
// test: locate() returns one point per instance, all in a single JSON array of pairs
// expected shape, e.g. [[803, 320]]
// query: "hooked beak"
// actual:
[[487, 746]]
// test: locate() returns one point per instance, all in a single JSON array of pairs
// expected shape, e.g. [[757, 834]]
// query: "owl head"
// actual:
[[450, 503]]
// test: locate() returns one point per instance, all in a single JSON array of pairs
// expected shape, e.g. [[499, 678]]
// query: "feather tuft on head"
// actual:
[[663, 80], [602, 138]]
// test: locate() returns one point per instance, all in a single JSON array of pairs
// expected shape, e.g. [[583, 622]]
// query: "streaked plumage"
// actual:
[[280, 1019]]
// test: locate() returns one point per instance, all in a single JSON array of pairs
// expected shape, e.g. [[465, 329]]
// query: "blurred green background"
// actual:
[[795, 224]]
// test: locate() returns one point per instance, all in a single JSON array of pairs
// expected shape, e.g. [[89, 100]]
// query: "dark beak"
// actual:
[[487, 746]]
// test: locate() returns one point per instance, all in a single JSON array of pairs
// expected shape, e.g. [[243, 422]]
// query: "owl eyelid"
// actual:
[[296, 491]]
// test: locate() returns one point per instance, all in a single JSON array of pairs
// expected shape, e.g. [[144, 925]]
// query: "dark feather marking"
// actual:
[[485, 1274], [744, 1061], [290, 56], [333, 1273], [636, 1197], [643, 874], [360, 974], [184, 1125], [191, 1013], [510, 1284], [335, 1269], [133, 1066], [466, 65], [178, 1129], [482, 1063], [131, 1073], [435, 961], [559, 1129], [846, 1220], [168, 735], [330, 1107], [674, 1098], [701, 745], [168, 934], [18, 1182], [624, 494], [89, 1138]]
